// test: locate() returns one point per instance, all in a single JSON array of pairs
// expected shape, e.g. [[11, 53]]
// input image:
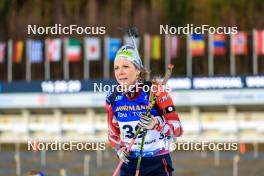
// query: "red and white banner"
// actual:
[[53, 51], [260, 42], [239, 43]]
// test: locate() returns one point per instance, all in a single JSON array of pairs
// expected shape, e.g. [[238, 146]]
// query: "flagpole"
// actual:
[[47, 63], [210, 55], [86, 63], [167, 51], [232, 57], [255, 56], [146, 52], [106, 59], [28, 64], [10, 61], [65, 60], [189, 57]]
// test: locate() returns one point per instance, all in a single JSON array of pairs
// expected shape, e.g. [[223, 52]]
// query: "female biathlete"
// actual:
[[127, 106]]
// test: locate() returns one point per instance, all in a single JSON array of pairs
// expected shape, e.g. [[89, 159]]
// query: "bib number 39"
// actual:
[[130, 131]]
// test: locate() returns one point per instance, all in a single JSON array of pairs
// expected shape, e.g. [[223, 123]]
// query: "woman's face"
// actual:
[[125, 72]]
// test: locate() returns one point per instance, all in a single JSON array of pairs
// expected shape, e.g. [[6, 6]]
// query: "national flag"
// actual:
[[112, 47], [155, 47], [2, 52], [219, 44], [260, 42], [18, 51], [53, 49], [73, 50], [35, 51], [92, 48], [174, 46], [128, 40], [197, 45], [239, 43]]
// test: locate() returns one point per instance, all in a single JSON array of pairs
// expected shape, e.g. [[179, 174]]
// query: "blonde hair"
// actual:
[[144, 73]]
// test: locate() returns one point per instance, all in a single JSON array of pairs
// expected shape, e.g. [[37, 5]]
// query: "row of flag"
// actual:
[[239, 44], [53, 50], [92, 47]]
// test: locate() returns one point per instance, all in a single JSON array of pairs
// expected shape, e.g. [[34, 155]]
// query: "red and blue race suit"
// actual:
[[124, 115]]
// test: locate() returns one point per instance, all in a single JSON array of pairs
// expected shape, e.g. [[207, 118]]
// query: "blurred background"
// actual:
[[47, 81]]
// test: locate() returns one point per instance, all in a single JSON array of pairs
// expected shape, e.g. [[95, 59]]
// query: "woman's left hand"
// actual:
[[148, 123]]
